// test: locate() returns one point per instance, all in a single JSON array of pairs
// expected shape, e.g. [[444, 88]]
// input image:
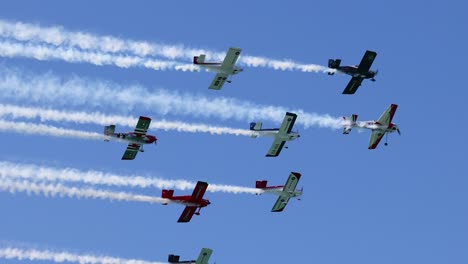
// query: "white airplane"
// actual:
[[203, 258], [379, 128], [223, 69], [281, 134], [285, 192]]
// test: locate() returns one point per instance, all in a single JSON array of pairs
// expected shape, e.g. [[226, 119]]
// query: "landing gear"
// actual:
[[373, 79], [386, 144], [386, 140], [198, 212], [229, 81]]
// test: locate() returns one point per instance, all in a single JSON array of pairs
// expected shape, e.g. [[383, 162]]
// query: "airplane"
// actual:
[[191, 202], [285, 192], [136, 139], [203, 258], [222, 69], [379, 128], [359, 73], [281, 134]]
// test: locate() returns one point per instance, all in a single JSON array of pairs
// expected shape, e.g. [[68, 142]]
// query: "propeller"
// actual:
[[376, 72]]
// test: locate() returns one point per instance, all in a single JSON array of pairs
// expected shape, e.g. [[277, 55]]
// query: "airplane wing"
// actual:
[[288, 123], [387, 116], [197, 196], [187, 214], [276, 148], [199, 191], [204, 256], [366, 61], [142, 126], [375, 138], [291, 183], [231, 58], [353, 85], [131, 152], [280, 203], [218, 81]]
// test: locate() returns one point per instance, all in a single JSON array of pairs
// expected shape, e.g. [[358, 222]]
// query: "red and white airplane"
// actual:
[[191, 202], [223, 69], [285, 192], [136, 139], [379, 128]]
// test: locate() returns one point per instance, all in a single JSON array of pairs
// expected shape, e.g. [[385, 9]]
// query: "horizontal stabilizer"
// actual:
[[349, 123], [109, 130], [168, 194], [199, 59], [173, 258], [256, 126], [261, 184], [333, 64]]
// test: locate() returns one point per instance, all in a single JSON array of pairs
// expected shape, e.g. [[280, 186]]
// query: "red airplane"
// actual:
[[191, 202]]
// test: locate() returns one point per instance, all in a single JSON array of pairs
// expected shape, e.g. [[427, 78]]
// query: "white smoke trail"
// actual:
[[69, 54], [40, 173], [63, 256], [60, 190], [58, 36], [13, 111], [78, 92], [39, 129]]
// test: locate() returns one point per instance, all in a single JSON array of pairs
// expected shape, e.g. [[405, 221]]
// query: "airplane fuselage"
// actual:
[[217, 67], [352, 70], [374, 125], [278, 190], [274, 133], [133, 138], [185, 200]]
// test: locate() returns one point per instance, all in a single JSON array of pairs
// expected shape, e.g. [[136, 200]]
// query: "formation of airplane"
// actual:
[[285, 192], [203, 258], [191, 202], [379, 128], [358, 72], [223, 69], [135, 139], [281, 135]]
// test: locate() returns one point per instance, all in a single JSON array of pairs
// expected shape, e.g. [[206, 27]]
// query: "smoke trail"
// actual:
[[44, 115], [54, 190], [39, 173], [38, 129], [58, 36], [78, 92], [68, 54], [60, 257]]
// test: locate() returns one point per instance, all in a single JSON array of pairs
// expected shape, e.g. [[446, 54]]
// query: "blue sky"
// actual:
[[403, 203]]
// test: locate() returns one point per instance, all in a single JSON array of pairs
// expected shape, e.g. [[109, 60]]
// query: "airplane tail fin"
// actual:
[[255, 126], [204, 256], [333, 64], [109, 130], [261, 184], [173, 258], [168, 194], [349, 123], [199, 59]]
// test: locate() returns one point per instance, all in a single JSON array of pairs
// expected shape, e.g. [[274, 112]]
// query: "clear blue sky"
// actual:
[[404, 203]]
